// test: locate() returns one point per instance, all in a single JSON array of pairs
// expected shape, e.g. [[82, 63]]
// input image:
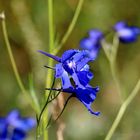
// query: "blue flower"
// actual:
[[73, 64], [126, 34], [92, 42], [13, 127]]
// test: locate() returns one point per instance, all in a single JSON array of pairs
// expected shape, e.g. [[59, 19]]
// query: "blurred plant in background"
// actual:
[[36, 25], [13, 127]]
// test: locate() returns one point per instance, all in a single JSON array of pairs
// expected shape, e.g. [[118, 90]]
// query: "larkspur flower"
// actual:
[[92, 43], [73, 64], [126, 34], [13, 127]]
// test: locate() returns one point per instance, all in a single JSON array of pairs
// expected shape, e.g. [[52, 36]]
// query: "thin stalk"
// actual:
[[45, 105], [122, 110], [32, 92], [50, 63], [105, 48], [112, 61], [19, 81], [115, 78], [111, 54], [51, 25], [71, 26]]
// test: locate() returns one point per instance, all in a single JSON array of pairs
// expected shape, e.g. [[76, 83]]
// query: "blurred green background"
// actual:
[[27, 23]]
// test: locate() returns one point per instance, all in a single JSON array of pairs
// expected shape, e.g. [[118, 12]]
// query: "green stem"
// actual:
[[115, 78], [112, 60], [51, 28], [19, 81], [122, 110], [50, 63], [71, 26], [32, 92], [106, 48], [111, 54]]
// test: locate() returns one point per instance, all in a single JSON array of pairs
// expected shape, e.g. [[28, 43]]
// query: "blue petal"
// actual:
[[94, 52], [58, 70], [15, 121], [95, 35], [69, 66], [61, 73], [86, 43], [25, 124], [136, 30], [126, 34], [18, 135], [77, 81], [77, 61], [81, 59], [120, 25], [85, 68], [3, 128], [12, 117], [84, 77], [65, 80], [87, 97], [92, 41], [56, 58], [67, 55]]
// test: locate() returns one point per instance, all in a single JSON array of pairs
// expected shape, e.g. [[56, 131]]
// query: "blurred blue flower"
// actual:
[[13, 127], [126, 34], [93, 42]]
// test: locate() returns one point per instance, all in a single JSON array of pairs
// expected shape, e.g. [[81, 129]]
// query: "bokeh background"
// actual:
[[27, 23]]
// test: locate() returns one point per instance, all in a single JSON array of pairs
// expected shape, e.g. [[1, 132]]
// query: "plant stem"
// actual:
[[115, 78], [106, 48], [112, 61], [51, 28], [50, 63], [19, 81], [122, 110], [71, 26], [111, 54]]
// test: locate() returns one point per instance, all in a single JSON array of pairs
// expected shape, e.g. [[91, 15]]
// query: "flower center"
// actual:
[[71, 64]]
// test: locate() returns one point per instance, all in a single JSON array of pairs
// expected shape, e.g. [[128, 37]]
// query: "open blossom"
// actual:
[[73, 64], [126, 34], [13, 127]]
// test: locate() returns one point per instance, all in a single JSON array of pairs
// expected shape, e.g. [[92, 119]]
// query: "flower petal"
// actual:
[[18, 135], [84, 77], [56, 58], [95, 34], [68, 54], [87, 97], [65, 80], [3, 128], [126, 34], [24, 124]]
